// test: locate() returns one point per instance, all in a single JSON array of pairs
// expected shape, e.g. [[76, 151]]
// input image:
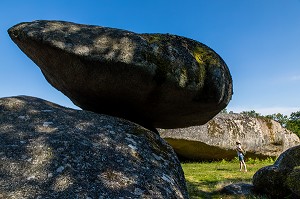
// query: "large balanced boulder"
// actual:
[[156, 80], [48, 151], [282, 178], [260, 137]]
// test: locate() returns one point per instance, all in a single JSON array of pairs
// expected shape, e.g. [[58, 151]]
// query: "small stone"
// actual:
[[238, 189]]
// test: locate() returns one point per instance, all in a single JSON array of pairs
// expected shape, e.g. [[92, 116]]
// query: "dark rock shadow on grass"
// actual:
[[195, 191], [235, 190]]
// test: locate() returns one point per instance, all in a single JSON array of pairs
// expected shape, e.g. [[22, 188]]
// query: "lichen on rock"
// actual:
[[215, 140], [155, 80], [48, 151], [280, 179], [292, 181]]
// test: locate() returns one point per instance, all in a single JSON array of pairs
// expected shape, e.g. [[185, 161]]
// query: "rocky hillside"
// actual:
[[216, 139]]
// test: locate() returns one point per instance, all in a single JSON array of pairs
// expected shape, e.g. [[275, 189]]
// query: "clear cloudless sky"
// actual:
[[258, 39]]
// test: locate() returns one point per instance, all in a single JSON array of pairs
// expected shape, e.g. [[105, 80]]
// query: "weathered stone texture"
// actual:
[[216, 139], [48, 151], [282, 178], [292, 181], [238, 189], [156, 80]]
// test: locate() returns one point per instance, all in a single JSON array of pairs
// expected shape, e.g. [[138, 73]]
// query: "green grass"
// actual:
[[204, 180]]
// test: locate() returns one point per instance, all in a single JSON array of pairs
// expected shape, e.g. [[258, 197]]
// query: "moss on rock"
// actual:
[[151, 79], [292, 181], [281, 179]]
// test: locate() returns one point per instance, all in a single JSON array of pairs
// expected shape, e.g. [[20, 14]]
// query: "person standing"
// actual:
[[241, 154]]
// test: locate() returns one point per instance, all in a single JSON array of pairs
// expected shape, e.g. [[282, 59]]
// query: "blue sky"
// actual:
[[258, 39]]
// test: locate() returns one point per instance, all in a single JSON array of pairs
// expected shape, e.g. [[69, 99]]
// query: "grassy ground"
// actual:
[[204, 180]]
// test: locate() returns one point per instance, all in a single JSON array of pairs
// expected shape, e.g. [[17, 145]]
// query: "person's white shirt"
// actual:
[[239, 149]]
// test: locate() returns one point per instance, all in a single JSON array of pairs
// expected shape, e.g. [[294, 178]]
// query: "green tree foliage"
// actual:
[[278, 117], [224, 111], [251, 113], [293, 123]]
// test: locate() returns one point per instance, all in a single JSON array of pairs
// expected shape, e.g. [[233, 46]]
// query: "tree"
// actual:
[[224, 111], [278, 117], [293, 124], [295, 116], [251, 113]]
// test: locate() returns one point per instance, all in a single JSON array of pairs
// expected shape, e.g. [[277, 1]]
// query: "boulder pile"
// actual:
[[143, 81], [155, 80], [260, 137]]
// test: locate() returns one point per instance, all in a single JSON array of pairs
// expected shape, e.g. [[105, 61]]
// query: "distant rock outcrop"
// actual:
[[216, 139], [282, 178], [155, 80], [48, 151]]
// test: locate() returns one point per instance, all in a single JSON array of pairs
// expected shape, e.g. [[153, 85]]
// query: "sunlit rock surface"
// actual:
[[215, 140], [48, 151], [156, 80]]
